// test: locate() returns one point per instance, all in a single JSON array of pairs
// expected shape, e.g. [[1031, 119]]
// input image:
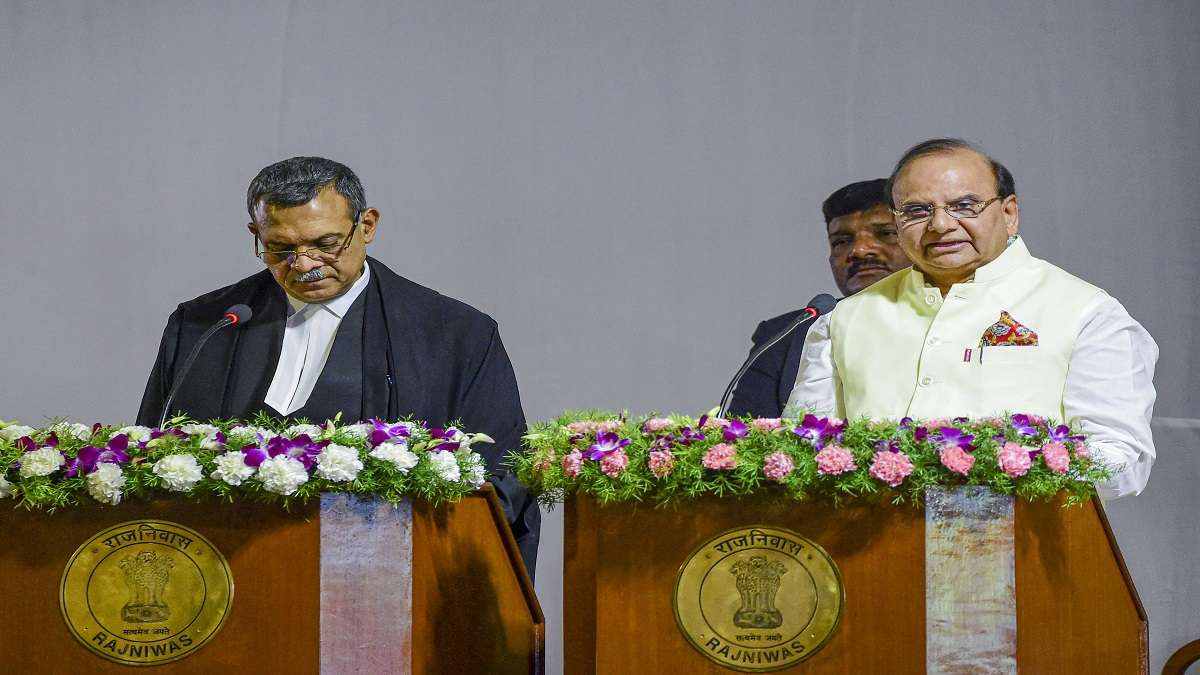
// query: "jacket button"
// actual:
[[926, 381]]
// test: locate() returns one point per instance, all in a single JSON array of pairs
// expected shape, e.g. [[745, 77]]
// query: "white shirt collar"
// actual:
[[339, 305]]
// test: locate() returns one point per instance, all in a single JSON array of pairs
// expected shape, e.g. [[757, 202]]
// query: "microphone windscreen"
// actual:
[[239, 313], [823, 303]]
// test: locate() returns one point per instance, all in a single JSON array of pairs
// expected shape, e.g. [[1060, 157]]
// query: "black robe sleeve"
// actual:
[[491, 404], [161, 376]]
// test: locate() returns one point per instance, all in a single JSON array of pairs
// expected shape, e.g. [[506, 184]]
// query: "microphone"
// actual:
[[235, 315], [820, 304]]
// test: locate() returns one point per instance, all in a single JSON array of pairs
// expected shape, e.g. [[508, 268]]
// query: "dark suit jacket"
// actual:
[[426, 355], [764, 389]]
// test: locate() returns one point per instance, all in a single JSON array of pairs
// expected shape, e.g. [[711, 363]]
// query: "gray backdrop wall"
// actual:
[[627, 187]]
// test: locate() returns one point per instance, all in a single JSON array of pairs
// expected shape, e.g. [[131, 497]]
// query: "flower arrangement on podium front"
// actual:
[[668, 459], [67, 463]]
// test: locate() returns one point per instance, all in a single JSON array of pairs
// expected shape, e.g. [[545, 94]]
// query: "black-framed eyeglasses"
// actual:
[[321, 254], [915, 214]]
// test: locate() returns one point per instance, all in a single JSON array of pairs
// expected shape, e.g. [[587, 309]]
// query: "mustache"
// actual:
[[311, 276], [857, 267]]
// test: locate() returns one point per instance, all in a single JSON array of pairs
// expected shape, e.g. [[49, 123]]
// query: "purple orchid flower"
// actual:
[[887, 445], [687, 435], [663, 442], [90, 457], [606, 442], [1023, 426], [961, 420], [446, 436], [954, 436], [1062, 434], [817, 430], [920, 434], [26, 444], [906, 422], [384, 432], [735, 430], [301, 448], [159, 433], [254, 455]]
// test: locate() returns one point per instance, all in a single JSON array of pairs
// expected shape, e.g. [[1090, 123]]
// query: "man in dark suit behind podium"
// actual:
[[863, 249], [334, 331]]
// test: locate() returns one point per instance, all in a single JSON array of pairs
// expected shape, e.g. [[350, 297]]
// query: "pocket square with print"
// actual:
[[1008, 332]]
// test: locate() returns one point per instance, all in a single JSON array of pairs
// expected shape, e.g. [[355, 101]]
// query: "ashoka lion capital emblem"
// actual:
[[758, 598], [146, 575], [145, 592], [758, 582]]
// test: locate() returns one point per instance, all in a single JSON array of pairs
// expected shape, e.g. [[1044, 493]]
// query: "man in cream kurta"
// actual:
[[980, 327]]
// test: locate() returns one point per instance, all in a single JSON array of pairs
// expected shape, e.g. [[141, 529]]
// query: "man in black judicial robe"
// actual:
[[863, 248], [399, 348]]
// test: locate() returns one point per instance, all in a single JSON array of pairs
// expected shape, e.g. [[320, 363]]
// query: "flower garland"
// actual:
[[57, 465], [668, 459]]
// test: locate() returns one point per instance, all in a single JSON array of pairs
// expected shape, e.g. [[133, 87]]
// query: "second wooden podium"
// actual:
[[972, 583]]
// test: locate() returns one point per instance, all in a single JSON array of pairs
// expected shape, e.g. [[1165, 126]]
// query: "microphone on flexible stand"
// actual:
[[820, 304], [235, 315]]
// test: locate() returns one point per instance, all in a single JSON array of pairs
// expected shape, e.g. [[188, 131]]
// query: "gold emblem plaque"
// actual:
[[146, 592], [759, 598]]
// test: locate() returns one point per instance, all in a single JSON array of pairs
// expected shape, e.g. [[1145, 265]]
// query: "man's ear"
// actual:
[[253, 228], [369, 219], [1012, 215]]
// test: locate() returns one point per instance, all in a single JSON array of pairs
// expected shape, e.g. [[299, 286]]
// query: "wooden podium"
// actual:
[[1072, 605], [346, 585]]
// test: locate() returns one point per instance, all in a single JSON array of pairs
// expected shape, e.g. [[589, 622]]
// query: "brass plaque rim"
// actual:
[[221, 562], [837, 576]]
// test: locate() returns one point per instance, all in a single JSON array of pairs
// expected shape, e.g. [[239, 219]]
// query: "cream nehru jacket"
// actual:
[[901, 349]]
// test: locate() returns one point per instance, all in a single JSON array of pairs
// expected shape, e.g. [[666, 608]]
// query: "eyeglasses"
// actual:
[[915, 214], [321, 254]]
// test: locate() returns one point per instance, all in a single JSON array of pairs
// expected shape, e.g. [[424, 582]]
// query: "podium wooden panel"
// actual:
[[472, 603], [1077, 610]]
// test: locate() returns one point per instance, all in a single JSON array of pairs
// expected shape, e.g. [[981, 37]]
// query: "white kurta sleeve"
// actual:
[[817, 385], [1110, 394]]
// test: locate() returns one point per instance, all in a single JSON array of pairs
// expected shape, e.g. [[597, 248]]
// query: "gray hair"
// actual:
[[1005, 185], [297, 181]]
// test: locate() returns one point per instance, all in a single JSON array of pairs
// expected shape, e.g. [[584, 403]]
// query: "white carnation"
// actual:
[[41, 462], [338, 463], [357, 430], [106, 483], [445, 464], [15, 431], [282, 474], [136, 434], [205, 430], [295, 430], [476, 469], [5, 487], [180, 473], [231, 468], [80, 431], [397, 454], [249, 434]]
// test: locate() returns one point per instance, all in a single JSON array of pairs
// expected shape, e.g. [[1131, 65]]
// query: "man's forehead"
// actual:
[[958, 171], [874, 216]]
